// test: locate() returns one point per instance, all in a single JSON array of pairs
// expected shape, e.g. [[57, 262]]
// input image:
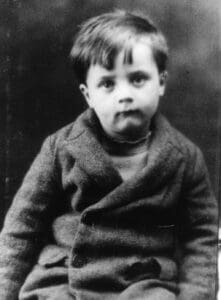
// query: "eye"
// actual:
[[107, 84], [138, 79]]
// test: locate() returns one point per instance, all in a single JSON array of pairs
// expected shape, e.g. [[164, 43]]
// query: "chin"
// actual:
[[132, 130], [131, 125]]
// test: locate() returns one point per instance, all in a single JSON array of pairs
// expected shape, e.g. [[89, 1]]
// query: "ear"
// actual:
[[84, 90], [163, 80]]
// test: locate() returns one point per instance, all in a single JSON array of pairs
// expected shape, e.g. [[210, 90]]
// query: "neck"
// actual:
[[129, 140], [125, 146], [129, 136]]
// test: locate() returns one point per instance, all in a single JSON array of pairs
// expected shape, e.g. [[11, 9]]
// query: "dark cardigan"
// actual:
[[75, 224]]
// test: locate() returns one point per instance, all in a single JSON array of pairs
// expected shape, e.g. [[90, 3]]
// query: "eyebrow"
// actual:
[[129, 75], [139, 72], [135, 72], [106, 77]]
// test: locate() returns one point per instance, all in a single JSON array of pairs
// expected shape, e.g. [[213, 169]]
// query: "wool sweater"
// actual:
[[128, 157], [76, 225]]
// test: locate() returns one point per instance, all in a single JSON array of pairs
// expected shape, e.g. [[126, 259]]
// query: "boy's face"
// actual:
[[126, 97]]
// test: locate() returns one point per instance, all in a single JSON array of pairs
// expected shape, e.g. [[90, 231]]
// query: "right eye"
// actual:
[[107, 84]]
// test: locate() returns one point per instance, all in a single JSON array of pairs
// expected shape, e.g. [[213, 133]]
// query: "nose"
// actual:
[[124, 94]]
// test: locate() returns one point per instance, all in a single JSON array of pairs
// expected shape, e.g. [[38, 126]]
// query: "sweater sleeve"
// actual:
[[26, 223], [199, 242]]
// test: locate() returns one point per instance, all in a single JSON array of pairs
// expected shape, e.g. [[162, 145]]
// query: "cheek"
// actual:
[[102, 109], [153, 93]]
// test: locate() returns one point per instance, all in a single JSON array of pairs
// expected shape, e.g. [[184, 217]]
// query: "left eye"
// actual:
[[138, 80]]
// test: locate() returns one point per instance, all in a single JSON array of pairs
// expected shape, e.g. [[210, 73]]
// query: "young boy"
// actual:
[[118, 204]]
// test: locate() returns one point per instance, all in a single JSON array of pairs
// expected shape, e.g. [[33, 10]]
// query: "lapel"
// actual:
[[163, 160], [85, 147]]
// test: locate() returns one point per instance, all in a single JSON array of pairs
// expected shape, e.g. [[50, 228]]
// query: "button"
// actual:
[[79, 261], [134, 270], [84, 217], [154, 267], [87, 218]]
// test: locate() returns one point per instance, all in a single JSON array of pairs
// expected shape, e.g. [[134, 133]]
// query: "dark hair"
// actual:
[[101, 38]]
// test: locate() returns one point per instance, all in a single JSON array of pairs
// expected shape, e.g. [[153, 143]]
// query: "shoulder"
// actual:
[[179, 140], [68, 132], [193, 157]]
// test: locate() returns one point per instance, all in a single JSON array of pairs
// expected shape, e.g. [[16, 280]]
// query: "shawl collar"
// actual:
[[163, 159], [88, 152]]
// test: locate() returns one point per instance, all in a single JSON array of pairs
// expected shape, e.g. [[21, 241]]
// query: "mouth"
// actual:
[[128, 112]]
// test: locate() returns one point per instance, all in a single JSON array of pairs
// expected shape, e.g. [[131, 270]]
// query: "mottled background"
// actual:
[[38, 93]]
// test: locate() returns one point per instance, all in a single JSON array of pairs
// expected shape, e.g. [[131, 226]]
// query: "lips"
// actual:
[[128, 112]]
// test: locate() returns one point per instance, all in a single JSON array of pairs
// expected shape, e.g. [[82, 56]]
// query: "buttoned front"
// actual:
[[107, 235]]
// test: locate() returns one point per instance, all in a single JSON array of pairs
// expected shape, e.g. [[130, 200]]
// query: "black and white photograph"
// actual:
[[110, 150]]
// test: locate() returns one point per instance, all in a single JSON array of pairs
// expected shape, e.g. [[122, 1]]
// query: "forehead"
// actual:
[[137, 53], [141, 59], [139, 49], [130, 51]]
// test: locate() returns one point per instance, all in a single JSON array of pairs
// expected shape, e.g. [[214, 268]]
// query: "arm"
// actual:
[[25, 224], [199, 215]]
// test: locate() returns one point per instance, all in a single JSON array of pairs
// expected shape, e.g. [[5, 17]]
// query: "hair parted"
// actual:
[[101, 38]]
